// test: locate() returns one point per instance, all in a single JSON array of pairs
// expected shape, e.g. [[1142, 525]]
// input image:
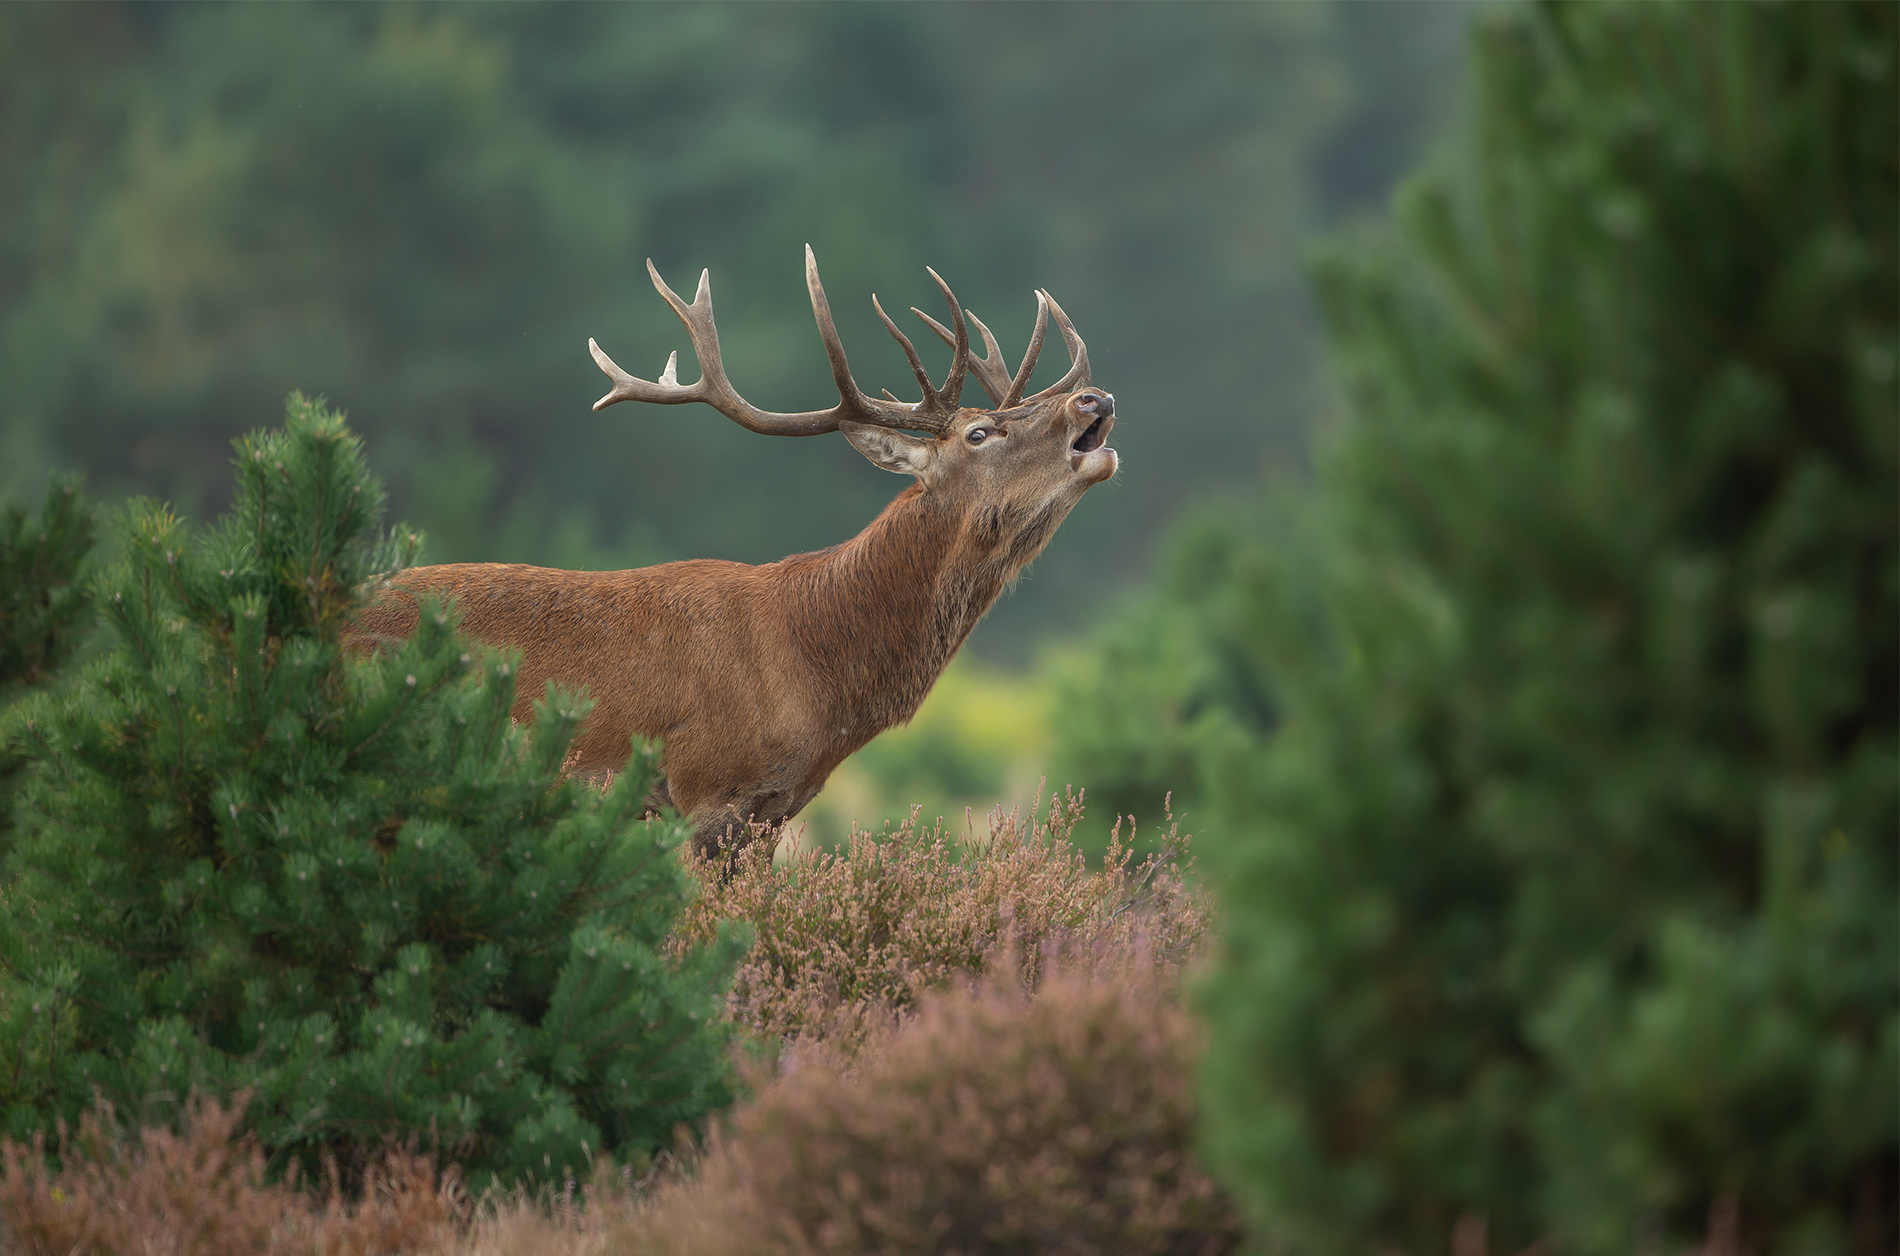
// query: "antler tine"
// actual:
[[921, 417], [942, 401], [827, 329], [713, 387], [1003, 390], [952, 390], [668, 390], [910, 351], [1028, 368], [717, 391], [1078, 374], [988, 369]]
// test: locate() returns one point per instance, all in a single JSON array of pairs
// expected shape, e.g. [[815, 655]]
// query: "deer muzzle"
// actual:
[[1089, 454]]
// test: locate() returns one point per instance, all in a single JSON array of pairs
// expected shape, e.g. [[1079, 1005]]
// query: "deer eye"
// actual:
[[977, 435]]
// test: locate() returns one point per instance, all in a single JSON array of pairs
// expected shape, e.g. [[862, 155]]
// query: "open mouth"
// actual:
[[1092, 436]]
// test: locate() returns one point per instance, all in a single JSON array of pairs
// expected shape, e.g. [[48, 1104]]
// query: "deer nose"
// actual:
[[1101, 405]]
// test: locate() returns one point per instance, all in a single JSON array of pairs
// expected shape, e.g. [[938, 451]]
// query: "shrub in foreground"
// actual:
[[247, 858], [992, 1120], [844, 941], [203, 1191], [207, 1193]]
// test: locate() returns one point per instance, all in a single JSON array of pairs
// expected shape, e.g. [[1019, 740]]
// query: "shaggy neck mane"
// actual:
[[881, 615]]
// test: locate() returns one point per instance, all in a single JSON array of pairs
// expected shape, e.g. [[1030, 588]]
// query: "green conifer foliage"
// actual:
[[1566, 896], [43, 607], [44, 612], [251, 858]]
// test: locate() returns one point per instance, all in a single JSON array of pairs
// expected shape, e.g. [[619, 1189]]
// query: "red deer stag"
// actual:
[[761, 680]]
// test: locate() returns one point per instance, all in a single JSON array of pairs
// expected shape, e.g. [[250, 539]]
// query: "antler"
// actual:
[[932, 414], [1077, 375], [1006, 390]]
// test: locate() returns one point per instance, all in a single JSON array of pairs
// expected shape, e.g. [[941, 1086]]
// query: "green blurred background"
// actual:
[[422, 213]]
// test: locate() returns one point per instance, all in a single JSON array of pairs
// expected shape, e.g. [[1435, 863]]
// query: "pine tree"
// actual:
[[251, 857], [1566, 896]]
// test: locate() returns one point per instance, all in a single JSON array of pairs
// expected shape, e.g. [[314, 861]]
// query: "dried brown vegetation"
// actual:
[[992, 1120], [847, 941], [205, 1193]]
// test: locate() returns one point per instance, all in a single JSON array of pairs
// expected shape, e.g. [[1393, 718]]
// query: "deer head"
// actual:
[[1012, 471]]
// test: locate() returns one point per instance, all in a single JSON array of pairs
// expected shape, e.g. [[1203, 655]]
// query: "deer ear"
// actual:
[[892, 450]]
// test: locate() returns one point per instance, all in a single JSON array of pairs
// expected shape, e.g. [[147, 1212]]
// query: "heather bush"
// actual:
[[993, 1120], [205, 1192], [845, 941]]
